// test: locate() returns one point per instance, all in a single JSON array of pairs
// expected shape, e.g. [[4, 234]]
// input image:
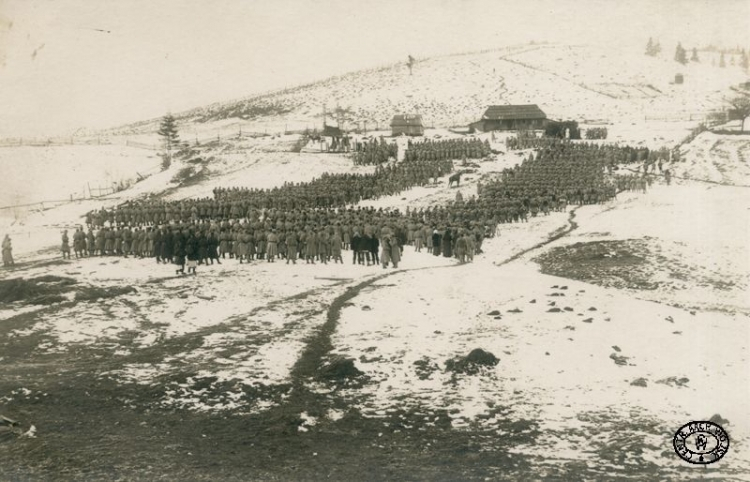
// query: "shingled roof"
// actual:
[[507, 112], [406, 120]]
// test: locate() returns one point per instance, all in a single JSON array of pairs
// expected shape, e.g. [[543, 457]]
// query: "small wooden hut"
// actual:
[[409, 124]]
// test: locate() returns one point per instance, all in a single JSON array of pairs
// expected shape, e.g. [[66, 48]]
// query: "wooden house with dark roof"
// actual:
[[409, 124], [511, 117]]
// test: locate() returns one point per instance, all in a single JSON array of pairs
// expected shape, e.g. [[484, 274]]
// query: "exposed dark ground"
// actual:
[[95, 428]]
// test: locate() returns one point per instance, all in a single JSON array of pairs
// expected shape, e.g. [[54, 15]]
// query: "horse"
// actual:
[[455, 178]]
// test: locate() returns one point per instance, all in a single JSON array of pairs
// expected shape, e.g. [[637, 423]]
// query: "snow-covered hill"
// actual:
[[583, 83]]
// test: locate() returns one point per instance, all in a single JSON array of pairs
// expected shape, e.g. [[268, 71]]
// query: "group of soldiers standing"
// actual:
[[373, 151], [447, 149], [311, 221]]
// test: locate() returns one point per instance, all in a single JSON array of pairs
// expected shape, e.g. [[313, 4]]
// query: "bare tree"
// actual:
[[740, 109]]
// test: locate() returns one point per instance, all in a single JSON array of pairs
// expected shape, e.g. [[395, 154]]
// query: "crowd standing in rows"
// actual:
[[373, 151], [316, 221]]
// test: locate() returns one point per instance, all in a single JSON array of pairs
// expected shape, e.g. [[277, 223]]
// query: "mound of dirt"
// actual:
[[42, 290], [472, 363], [339, 369], [92, 293], [639, 382]]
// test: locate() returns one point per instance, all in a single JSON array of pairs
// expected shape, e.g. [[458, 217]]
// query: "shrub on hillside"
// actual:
[[596, 133], [188, 175]]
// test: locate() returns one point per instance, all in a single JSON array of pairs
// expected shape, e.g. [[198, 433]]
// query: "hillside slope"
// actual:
[[578, 82]]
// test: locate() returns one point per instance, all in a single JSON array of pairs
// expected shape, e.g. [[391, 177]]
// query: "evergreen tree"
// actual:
[[680, 55], [170, 137], [732, 62], [745, 61], [722, 62], [694, 57]]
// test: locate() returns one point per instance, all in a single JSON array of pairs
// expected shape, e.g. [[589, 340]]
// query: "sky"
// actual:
[[68, 64]]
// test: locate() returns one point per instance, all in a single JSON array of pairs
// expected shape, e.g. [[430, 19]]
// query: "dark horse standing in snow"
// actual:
[[455, 178]]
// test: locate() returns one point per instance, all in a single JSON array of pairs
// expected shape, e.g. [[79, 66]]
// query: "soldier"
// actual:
[[418, 239], [127, 241], [436, 241], [323, 246], [292, 246], [385, 255], [374, 244], [179, 252], [335, 246], [109, 241], [79, 243], [213, 247], [90, 242], [65, 245], [7, 252], [311, 246], [202, 243], [224, 240], [167, 245], [356, 243], [100, 241], [191, 251], [397, 248], [461, 248], [158, 239], [272, 246]]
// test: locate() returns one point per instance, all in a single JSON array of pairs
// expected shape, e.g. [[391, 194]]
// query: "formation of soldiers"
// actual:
[[316, 221], [447, 149], [615, 154], [327, 191], [314, 235], [374, 152]]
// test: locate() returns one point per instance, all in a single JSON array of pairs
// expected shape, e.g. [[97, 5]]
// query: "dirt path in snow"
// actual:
[[572, 225]]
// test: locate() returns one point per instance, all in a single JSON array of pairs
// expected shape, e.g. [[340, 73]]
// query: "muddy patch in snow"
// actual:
[[42, 290], [640, 264]]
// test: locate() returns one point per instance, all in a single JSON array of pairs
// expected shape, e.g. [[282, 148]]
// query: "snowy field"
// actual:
[[36, 174], [612, 325]]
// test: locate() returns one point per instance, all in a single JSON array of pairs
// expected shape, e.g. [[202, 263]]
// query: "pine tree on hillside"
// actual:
[[744, 60], [694, 57], [680, 55], [170, 137], [732, 62], [722, 62]]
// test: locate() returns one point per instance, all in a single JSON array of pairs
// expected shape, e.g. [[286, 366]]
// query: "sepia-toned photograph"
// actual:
[[392, 240]]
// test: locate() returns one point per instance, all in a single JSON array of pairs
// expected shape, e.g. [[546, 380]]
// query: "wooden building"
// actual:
[[511, 117], [409, 124]]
